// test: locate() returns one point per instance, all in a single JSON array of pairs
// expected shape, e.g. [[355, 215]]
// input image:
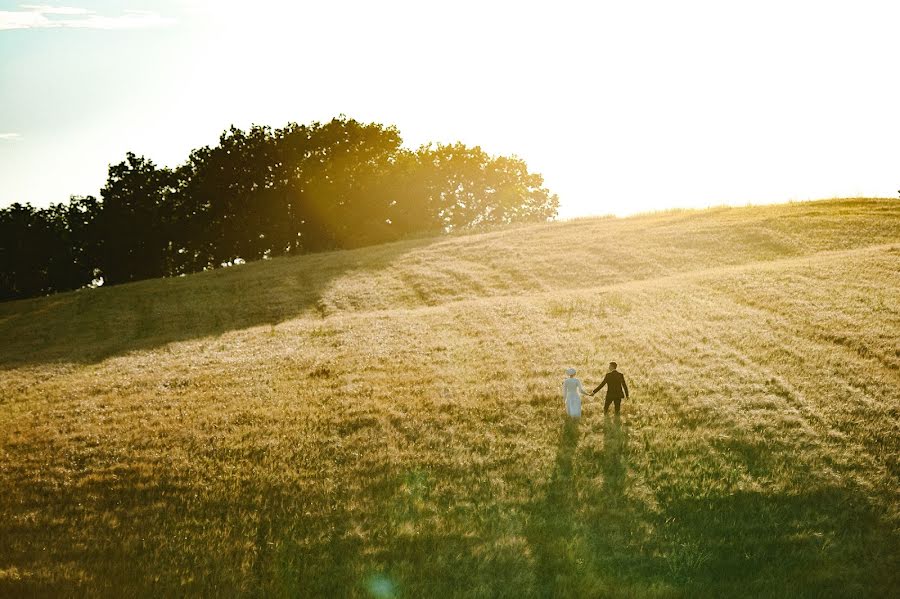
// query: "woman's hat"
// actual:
[[570, 371]]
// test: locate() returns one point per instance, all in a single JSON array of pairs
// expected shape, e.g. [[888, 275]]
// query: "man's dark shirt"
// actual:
[[615, 382]]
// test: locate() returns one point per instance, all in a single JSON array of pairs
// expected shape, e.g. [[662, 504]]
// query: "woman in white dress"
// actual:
[[572, 392]]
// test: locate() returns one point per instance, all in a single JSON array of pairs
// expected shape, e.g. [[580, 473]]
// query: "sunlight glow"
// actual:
[[624, 107]]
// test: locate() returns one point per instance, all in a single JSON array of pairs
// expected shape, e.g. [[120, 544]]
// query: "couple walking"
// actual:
[[616, 389]]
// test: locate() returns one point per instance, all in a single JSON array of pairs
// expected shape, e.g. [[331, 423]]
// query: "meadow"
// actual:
[[387, 422]]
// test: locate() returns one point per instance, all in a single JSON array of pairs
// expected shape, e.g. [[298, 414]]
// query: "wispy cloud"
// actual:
[[10, 136], [55, 10], [40, 16]]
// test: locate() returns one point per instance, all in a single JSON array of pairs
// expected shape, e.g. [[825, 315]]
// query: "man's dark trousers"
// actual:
[[609, 400]]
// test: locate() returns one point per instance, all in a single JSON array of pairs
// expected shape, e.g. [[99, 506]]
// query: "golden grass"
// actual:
[[386, 421]]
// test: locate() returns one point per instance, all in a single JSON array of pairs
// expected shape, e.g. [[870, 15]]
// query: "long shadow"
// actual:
[[616, 521], [585, 532], [90, 325], [615, 442], [552, 520]]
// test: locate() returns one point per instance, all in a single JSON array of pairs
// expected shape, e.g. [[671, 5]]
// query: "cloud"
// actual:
[[40, 16], [55, 10], [10, 136]]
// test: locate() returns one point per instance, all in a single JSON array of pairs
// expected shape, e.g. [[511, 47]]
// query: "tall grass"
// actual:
[[386, 422]]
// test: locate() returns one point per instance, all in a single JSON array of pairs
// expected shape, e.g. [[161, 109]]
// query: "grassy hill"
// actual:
[[388, 421]]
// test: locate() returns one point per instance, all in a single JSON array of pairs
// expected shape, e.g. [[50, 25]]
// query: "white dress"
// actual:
[[571, 389]]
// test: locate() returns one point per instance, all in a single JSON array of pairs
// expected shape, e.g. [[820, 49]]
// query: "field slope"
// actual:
[[387, 421]]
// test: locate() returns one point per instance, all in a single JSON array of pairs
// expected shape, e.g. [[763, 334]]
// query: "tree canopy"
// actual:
[[262, 193]]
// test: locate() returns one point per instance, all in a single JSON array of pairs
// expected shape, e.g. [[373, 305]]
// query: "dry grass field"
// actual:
[[387, 422]]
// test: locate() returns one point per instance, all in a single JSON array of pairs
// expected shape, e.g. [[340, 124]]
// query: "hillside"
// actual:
[[387, 421]]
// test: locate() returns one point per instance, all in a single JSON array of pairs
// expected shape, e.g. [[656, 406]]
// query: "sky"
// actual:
[[624, 107]]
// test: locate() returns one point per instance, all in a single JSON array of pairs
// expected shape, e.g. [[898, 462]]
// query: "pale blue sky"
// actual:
[[623, 106]]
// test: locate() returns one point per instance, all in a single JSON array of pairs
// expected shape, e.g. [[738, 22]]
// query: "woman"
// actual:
[[571, 390]]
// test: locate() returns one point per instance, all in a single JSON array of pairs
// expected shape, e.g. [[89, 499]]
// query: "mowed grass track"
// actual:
[[387, 421]]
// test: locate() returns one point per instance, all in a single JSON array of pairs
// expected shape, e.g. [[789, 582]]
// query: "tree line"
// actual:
[[258, 194]]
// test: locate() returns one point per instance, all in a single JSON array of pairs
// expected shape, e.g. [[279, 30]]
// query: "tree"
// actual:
[[73, 254], [22, 265], [134, 222], [260, 193], [466, 188], [46, 250], [335, 177]]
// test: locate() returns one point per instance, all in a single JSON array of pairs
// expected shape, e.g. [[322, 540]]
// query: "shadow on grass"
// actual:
[[592, 534], [586, 535], [90, 325], [822, 542], [104, 540], [553, 520]]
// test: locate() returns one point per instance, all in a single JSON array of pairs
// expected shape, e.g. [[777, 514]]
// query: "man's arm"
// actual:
[[625, 386], [600, 386]]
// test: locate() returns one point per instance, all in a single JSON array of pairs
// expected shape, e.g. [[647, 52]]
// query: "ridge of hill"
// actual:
[[388, 422], [93, 324]]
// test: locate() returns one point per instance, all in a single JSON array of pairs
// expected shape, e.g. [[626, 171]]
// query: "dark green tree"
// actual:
[[45, 250], [134, 224], [23, 233]]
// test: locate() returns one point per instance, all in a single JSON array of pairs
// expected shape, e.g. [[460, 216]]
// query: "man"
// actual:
[[615, 388]]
